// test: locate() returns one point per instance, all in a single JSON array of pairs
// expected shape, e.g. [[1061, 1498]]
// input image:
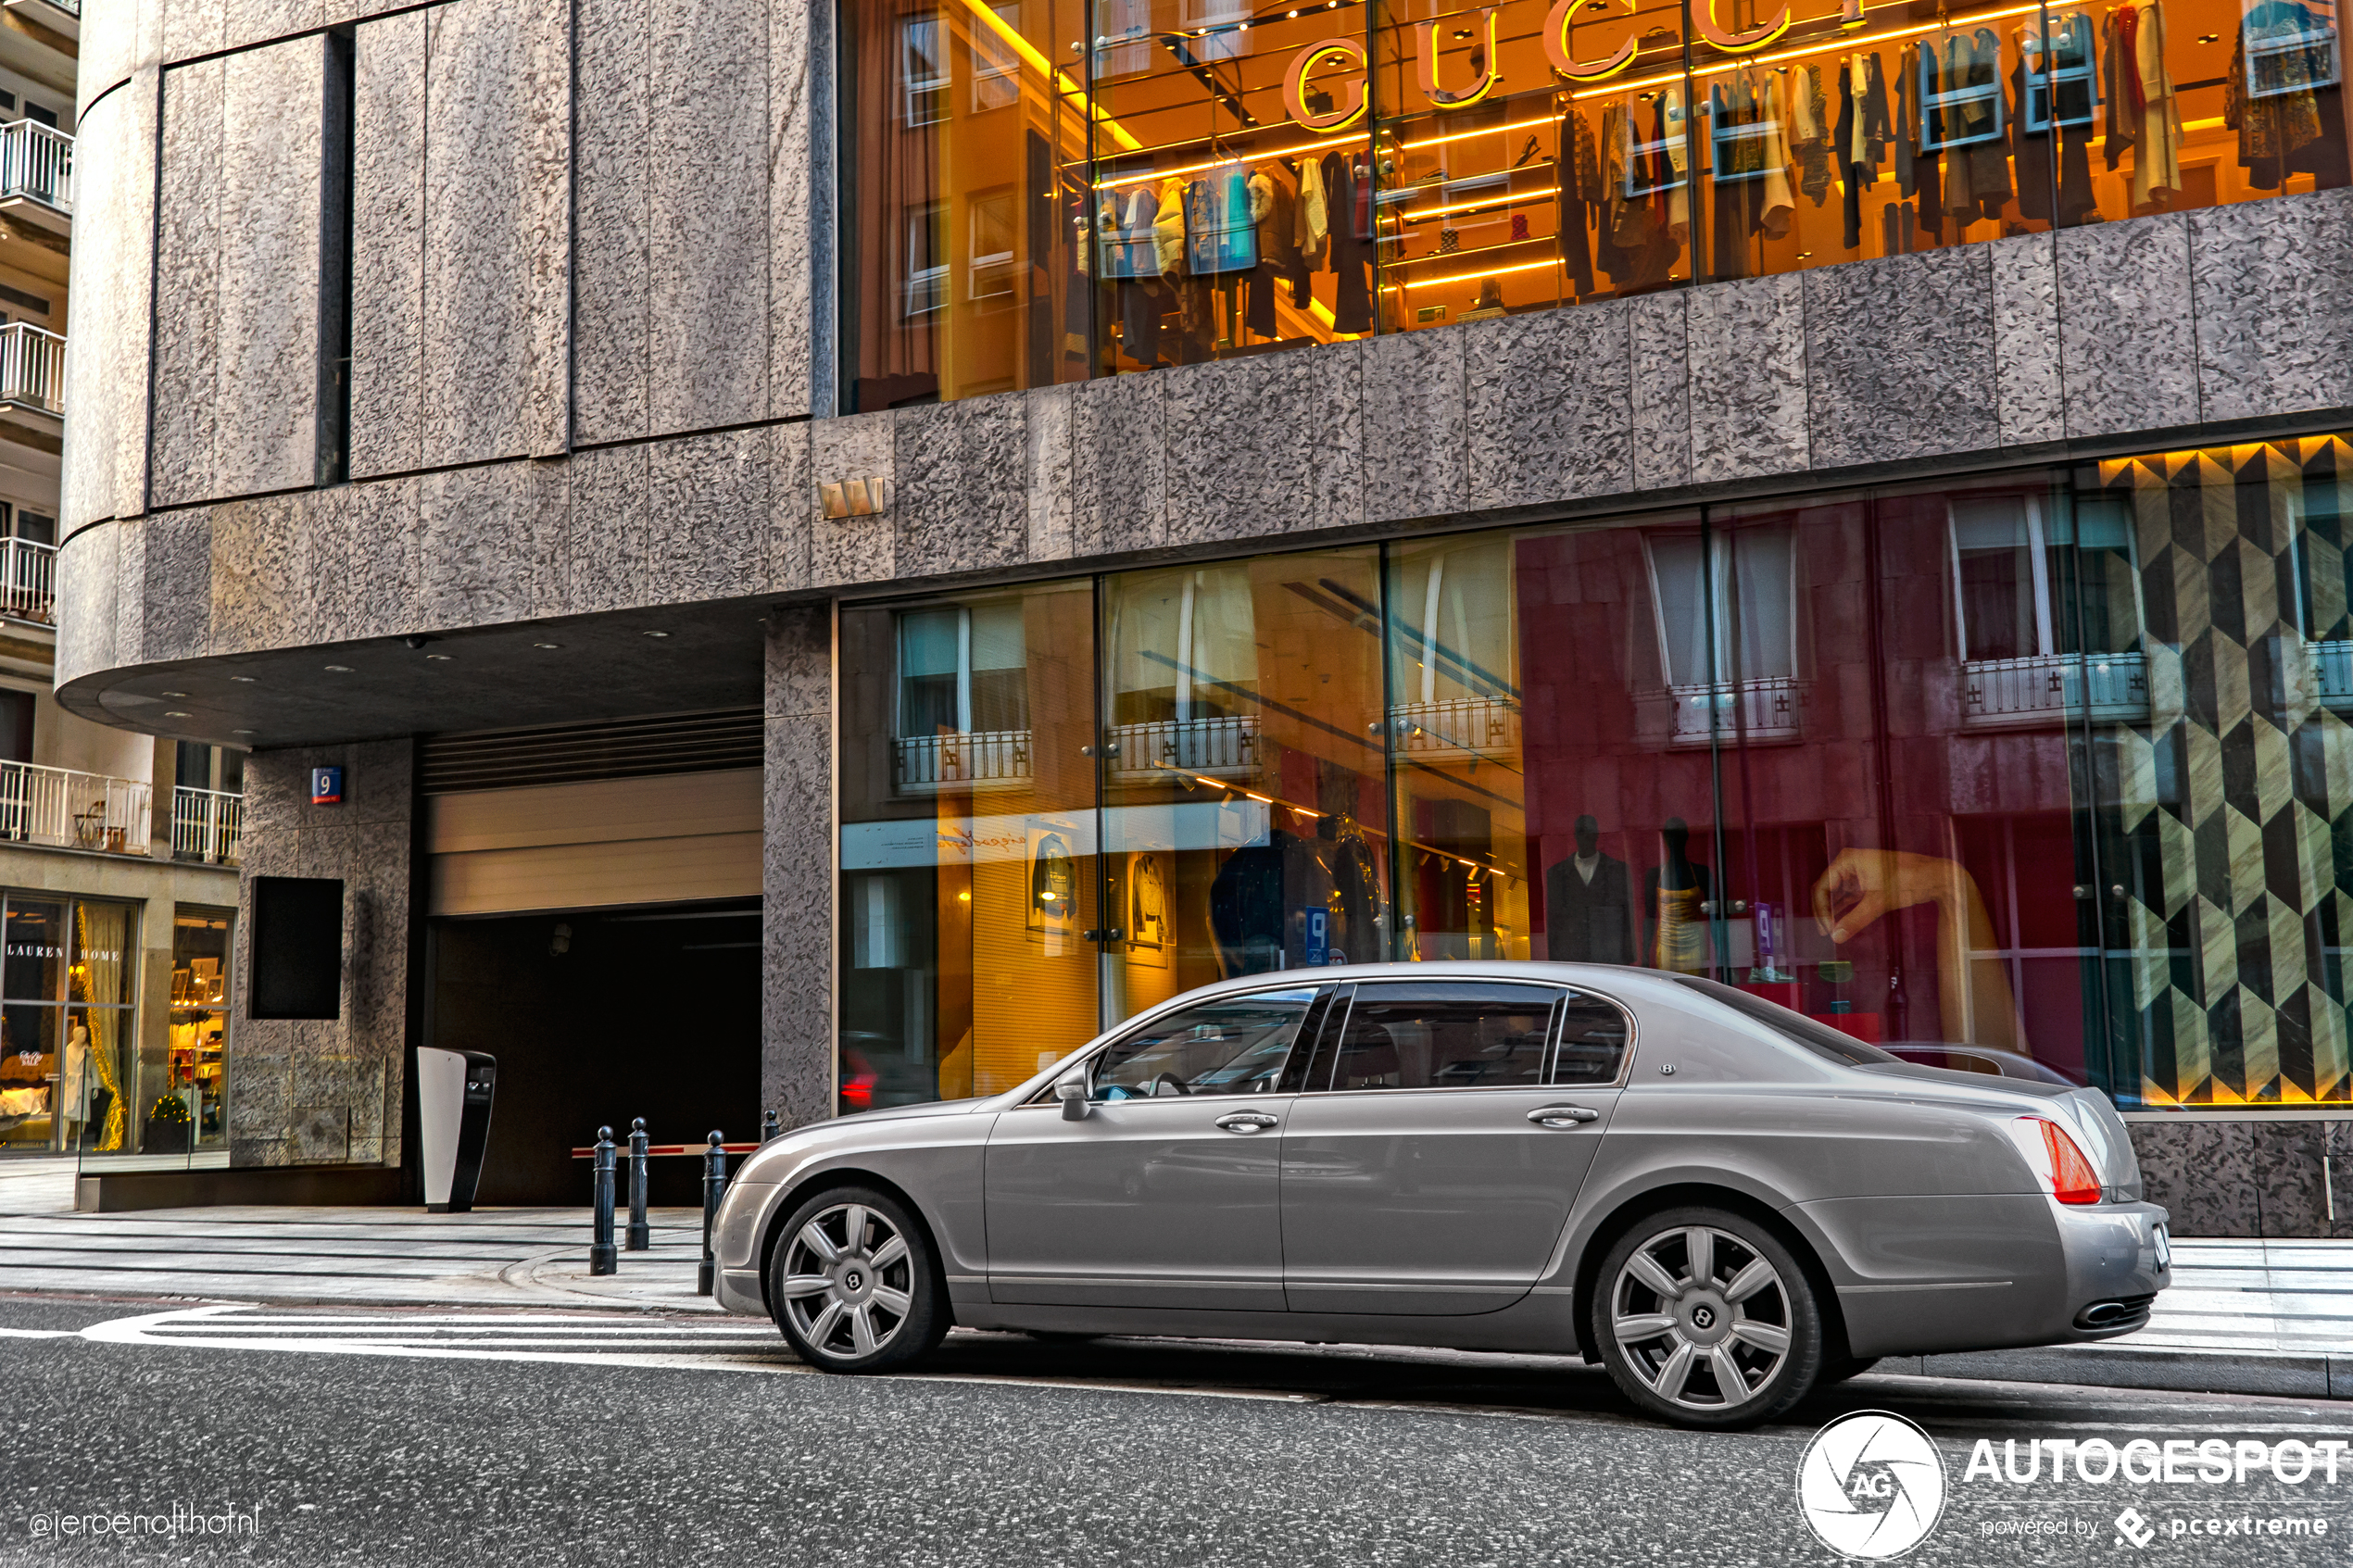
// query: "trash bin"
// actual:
[[453, 1120]]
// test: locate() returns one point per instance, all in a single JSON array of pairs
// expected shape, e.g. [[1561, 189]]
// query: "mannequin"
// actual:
[[74, 1083], [1673, 894], [1587, 899]]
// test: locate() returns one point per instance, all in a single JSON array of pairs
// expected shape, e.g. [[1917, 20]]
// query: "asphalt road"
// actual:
[[450, 1436]]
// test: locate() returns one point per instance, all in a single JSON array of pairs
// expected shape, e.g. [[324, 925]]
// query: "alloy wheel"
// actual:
[[849, 1281], [1701, 1318]]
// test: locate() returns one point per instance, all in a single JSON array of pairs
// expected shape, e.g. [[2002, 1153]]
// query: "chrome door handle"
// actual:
[[1562, 1115], [1247, 1121]]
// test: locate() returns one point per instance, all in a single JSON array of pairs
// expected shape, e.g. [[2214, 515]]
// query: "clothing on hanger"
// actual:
[[1575, 173], [2284, 98], [2144, 117], [2055, 93]]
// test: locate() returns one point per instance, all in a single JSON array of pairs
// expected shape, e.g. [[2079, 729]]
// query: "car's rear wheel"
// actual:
[[855, 1283], [1704, 1319]]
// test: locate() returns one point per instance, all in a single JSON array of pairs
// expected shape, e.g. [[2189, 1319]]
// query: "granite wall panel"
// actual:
[[1895, 358], [265, 433], [389, 142], [89, 580], [104, 468], [960, 503], [2128, 344], [710, 494], [187, 287], [176, 614], [246, 22], [348, 1070], [1417, 425], [852, 550], [1747, 379], [612, 122], [2031, 404], [2202, 1173], [1119, 464], [1238, 445], [1045, 467], [800, 209], [612, 535], [2289, 1178], [1658, 331], [708, 215], [1334, 492], [796, 1048], [366, 560], [1549, 400], [478, 264], [791, 511], [473, 542], [2272, 298], [118, 38], [261, 574], [545, 223]]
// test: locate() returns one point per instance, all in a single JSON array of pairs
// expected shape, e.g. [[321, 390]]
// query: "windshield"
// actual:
[[1795, 1027]]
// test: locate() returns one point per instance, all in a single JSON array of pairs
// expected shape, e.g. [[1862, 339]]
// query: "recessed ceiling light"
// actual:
[[339, 669], [244, 732], [173, 714], [656, 633], [249, 679], [175, 694], [442, 657], [547, 645]]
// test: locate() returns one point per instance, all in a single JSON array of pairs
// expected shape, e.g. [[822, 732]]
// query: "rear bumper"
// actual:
[[1994, 1274]]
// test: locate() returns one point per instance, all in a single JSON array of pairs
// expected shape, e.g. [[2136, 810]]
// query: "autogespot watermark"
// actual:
[[1872, 1486], [179, 1518]]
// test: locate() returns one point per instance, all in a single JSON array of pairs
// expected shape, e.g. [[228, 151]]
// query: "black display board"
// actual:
[[298, 947]]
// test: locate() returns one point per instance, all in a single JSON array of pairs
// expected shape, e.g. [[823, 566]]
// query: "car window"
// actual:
[[1795, 1027], [1592, 1047], [1229, 1046], [1440, 1034]]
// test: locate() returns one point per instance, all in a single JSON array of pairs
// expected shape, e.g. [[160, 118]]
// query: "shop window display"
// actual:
[[67, 1077], [1207, 180], [195, 1068]]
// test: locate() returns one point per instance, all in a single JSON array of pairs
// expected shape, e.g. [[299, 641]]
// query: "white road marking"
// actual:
[[39, 1332]]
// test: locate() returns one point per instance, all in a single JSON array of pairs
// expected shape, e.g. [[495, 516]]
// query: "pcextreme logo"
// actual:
[[1871, 1486]]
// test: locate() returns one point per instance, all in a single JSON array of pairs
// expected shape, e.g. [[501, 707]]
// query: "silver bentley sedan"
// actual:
[[1722, 1201]]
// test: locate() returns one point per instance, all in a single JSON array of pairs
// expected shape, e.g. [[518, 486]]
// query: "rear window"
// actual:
[[1795, 1027]]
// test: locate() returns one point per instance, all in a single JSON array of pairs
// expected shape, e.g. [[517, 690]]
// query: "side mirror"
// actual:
[[1072, 1092]]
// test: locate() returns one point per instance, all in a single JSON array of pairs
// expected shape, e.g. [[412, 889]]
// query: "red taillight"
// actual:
[[859, 1094], [2072, 1179]]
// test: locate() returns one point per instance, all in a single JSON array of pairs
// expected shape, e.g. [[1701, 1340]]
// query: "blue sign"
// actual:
[[326, 786]]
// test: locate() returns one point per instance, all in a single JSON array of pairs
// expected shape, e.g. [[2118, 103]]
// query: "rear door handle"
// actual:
[[1247, 1121], [1558, 1116]]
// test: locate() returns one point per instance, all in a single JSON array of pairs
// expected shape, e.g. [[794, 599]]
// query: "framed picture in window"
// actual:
[[1051, 910], [1147, 905]]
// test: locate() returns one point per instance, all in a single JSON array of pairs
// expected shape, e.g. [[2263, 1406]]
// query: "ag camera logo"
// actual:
[[1871, 1486]]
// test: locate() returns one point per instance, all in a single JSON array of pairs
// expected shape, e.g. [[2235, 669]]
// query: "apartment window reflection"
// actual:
[[1728, 631], [2031, 650]]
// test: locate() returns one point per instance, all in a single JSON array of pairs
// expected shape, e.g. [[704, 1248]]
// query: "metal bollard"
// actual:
[[600, 1253], [641, 1236], [769, 1131], [714, 1184]]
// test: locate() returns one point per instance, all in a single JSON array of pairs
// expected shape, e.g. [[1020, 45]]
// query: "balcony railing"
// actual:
[[1224, 747], [1461, 728], [71, 810], [204, 825], [36, 164], [32, 368], [980, 762], [28, 580], [1738, 710], [2106, 688]]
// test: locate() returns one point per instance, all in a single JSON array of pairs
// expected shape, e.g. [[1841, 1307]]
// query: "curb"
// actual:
[[2279, 1374]]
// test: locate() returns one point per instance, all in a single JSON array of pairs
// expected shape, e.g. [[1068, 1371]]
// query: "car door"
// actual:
[[1433, 1169], [1167, 1194]]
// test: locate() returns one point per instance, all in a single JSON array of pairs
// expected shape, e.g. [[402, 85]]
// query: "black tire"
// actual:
[[1769, 1330], [1839, 1371], [888, 1276]]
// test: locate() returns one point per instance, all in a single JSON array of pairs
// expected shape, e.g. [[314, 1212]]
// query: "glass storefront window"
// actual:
[[2053, 763], [1203, 181], [67, 989], [195, 1067]]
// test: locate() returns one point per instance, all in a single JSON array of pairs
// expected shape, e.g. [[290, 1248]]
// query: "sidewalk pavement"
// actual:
[[2243, 1317]]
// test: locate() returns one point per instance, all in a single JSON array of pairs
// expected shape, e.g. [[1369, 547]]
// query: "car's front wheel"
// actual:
[[1704, 1319], [854, 1284]]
